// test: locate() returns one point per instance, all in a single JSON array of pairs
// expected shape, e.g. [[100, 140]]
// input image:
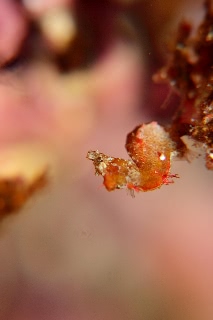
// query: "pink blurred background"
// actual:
[[76, 251]]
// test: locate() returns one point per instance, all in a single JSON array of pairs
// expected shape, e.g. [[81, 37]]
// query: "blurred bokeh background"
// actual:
[[77, 75]]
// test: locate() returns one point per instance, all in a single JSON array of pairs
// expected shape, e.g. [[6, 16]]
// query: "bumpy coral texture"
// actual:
[[189, 72]]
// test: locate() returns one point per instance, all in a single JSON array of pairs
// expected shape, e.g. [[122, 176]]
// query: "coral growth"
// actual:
[[15, 192], [190, 73]]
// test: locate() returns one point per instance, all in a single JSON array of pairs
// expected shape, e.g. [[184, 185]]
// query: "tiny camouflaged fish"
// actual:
[[150, 149]]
